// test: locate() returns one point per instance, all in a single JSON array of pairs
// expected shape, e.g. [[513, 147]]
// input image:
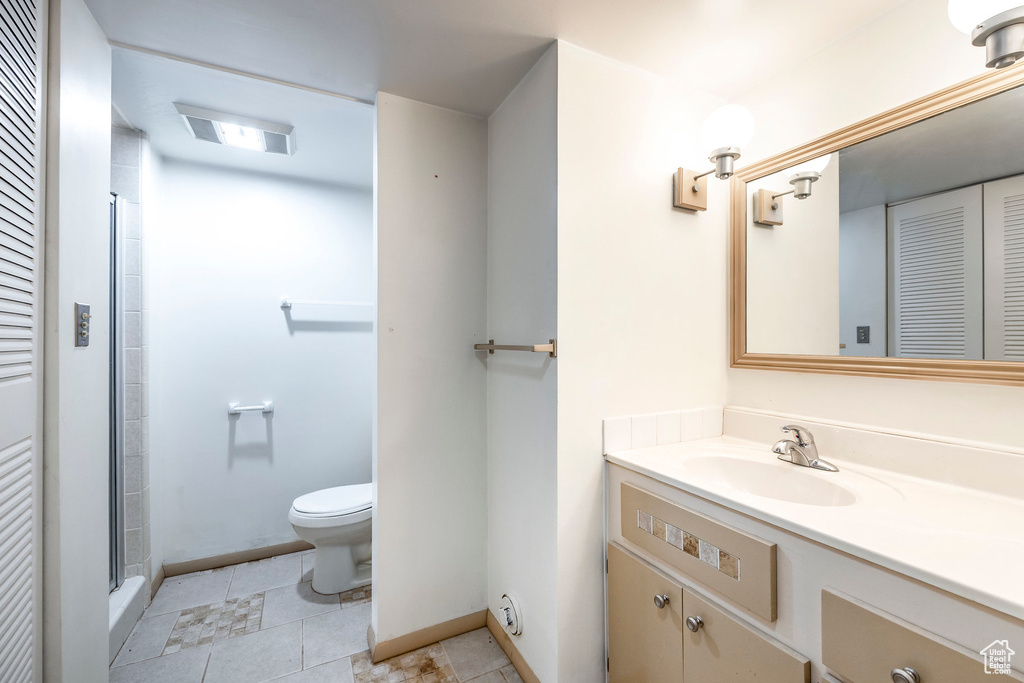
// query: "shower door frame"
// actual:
[[116, 481]]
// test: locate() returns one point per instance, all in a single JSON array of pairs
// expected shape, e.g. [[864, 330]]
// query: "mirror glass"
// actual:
[[910, 244]]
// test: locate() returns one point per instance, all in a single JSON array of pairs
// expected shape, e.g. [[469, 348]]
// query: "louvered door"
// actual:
[[20, 278], [1004, 269], [936, 276]]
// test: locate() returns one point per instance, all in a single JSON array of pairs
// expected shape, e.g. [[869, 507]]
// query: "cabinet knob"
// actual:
[[905, 675], [694, 623], [660, 601]]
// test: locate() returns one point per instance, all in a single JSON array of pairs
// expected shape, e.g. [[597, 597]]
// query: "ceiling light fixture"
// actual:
[[725, 131], [998, 25], [768, 204], [237, 131]]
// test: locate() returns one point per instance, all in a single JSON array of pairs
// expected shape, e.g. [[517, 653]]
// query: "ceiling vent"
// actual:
[[237, 131]]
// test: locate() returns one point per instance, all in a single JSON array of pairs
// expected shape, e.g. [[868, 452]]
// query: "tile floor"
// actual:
[[261, 621]]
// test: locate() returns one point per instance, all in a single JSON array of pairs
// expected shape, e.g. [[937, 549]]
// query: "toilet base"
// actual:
[[335, 570]]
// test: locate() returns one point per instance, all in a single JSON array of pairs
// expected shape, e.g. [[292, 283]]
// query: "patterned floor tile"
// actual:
[[357, 596], [215, 622]]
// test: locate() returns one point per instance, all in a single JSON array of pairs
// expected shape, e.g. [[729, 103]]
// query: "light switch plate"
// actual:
[[83, 321]]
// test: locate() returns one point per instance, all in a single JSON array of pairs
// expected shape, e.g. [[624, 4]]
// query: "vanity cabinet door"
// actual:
[[722, 649], [645, 640]]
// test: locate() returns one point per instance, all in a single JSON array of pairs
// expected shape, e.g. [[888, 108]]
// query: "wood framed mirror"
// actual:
[[900, 255]]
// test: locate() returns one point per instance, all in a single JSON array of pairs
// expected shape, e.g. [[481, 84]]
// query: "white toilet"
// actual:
[[337, 522]]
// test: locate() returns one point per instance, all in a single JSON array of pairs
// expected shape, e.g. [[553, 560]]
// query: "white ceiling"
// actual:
[[970, 145], [469, 54], [333, 137]]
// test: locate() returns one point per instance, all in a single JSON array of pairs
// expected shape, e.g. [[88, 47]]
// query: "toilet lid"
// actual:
[[340, 500]]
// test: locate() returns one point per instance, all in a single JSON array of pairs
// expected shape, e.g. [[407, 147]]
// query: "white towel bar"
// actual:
[[236, 409], [287, 303]]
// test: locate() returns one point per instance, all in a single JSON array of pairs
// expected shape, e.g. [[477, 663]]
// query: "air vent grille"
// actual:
[[275, 143], [202, 129], [232, 130]]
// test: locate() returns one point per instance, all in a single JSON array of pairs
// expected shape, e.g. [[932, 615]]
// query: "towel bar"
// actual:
[[236, 409], [551, 348]]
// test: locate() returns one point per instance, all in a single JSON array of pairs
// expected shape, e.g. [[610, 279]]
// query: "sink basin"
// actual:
[[773, 479]]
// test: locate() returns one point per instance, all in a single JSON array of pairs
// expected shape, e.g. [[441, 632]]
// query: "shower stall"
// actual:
[[116, 351]]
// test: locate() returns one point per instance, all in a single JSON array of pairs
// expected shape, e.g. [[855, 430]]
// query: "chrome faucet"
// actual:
[[801, 452]]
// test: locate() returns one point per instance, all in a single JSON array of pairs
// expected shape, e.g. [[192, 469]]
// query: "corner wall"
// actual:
[[641, 306], [430, 458], [521, 387], [868, 73], [75, 426]]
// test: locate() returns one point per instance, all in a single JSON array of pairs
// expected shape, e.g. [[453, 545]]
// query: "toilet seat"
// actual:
[[339, 501]]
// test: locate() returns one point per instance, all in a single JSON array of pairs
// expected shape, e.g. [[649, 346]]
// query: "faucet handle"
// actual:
[[803, 434]]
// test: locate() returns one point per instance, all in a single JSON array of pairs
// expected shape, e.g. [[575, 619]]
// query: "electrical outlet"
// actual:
[[864, 334]]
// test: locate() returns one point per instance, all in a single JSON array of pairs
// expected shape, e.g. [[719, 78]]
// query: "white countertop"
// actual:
[[962, 540]]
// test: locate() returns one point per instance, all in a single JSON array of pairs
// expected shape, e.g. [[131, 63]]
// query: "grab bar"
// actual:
[[236, 409], [551, 348]]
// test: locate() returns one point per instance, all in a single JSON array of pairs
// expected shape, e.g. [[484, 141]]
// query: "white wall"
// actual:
[[229, 245], [641, 305], [791, 111], [863, 280], [75, 491], [521, 387], [792, 288], [430, 459]]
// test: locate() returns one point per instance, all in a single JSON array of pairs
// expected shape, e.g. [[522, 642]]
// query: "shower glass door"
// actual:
[[116, 398]]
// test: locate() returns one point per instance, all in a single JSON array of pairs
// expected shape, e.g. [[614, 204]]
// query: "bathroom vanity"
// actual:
[[727, 564]]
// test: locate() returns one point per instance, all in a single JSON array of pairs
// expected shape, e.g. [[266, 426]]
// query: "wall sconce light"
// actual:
[[998, 25], [725, 131], [768, 204]]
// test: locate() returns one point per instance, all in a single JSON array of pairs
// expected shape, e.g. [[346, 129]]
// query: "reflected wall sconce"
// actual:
[[768, 204], [998, 25], [725, 131]]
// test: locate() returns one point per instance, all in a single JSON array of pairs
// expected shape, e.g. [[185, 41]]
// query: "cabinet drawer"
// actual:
[[736, 565], [725, 650], [864, 645], [645, 641]]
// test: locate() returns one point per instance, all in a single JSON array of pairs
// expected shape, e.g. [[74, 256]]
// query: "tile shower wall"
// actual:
[[126, 182]]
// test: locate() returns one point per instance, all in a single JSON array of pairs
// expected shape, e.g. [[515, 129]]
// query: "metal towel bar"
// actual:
[[551, 348]]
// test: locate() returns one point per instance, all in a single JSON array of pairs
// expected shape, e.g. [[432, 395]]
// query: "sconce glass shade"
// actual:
[[728, 126], [817, 166], [966, 15]]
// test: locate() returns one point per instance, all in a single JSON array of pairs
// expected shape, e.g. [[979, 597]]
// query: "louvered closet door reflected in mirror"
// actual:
[[1004, 269], [935, 276]]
